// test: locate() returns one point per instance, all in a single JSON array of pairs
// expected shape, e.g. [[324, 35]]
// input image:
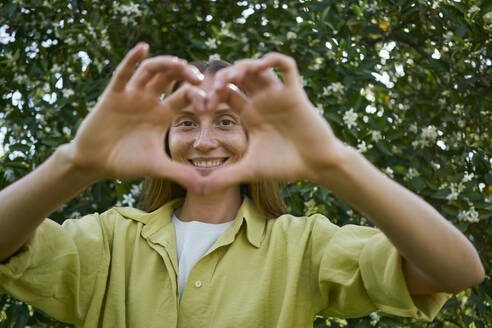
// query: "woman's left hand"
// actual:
[[288, 140]]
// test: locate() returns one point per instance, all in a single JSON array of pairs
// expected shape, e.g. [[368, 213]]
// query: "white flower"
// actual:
[[362, 147], [129, 9], [291, 35], [128, 199], [389, 172], [350, 118], [67, 93], [74, 215], [106, 44], [436, 4], [429, 132], [318, 61], [467, 177], [336, 87], [473, 9], [55, 68], [456, 189], [487, 18], [66, 130], [310, 207], [374, 318], [435, 165], [8, 173], [136, 189], [214, 57], [20, 79], [448, 36], [319, 109], [376, 135], [211, 43], [470, 216], [428, 136], [412, 173]]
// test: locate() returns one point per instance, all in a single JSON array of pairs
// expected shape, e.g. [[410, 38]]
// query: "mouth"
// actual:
[[205, 164]]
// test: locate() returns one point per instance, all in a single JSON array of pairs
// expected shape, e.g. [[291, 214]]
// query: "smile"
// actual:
[[208, 163]]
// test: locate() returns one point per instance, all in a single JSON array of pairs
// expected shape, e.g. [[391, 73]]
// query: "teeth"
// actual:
[[213, 163]]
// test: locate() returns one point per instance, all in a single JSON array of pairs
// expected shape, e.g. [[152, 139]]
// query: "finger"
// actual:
[[171, 65], [183, 97], [186, 176], [285, 64], [231, 95], [234, 174], [251, 76], [163, 81], [126, 68], [257, 81], [236, 73]]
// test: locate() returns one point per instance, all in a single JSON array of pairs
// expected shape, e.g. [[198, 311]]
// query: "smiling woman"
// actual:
[[204, 253], [225, 130]]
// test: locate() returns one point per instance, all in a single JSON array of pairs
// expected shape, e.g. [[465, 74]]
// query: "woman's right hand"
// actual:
[[123, 136]]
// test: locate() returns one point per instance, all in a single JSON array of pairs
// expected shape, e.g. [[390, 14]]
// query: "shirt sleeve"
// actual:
[[359, 272], [56, 270]]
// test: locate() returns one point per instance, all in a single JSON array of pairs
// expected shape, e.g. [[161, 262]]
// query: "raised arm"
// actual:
[[290, 141], [122, 137]]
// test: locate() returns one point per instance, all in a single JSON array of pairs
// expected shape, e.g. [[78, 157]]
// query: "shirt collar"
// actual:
[[158, 219]]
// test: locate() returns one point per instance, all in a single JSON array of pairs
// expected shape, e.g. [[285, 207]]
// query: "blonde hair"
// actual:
[[265, 193]]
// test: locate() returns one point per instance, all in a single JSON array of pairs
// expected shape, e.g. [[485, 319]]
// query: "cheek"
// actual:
[[237, 143], [177, 144]]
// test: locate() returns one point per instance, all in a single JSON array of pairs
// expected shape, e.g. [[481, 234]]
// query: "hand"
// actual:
[[288, 140], [123, 136]]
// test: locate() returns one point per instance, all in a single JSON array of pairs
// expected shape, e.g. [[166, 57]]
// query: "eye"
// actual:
[[226, 122], [186, 123]]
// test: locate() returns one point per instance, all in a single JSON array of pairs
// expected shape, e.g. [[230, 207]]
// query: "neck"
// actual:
[[218, 207]]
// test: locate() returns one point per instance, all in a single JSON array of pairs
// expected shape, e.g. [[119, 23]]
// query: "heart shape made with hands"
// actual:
[[247, 127], [242, 124]]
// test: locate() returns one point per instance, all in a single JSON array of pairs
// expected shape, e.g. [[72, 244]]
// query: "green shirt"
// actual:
[[119, 269]]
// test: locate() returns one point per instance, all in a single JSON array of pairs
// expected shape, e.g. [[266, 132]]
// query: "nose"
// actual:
[[206, 140]]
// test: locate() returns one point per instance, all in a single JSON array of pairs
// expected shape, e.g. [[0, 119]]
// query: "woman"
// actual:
[[121, 268]]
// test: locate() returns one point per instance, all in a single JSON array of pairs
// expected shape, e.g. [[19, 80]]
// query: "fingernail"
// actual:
[[232, 86], [144, 45], [197, 73]]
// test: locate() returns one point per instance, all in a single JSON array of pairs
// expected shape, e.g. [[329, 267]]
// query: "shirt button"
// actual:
[[198, 284]]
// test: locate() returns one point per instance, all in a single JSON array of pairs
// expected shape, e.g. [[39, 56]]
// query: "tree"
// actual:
[[405, 82]]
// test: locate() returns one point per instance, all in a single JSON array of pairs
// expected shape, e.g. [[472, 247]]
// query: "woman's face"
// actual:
[[207, 140]]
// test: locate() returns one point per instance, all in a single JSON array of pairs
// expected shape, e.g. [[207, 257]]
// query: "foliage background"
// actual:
[[405, 82]]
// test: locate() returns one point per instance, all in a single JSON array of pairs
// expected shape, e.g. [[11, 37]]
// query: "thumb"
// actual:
[[182, 174], [229, 94], [185, 96], [228, 176]]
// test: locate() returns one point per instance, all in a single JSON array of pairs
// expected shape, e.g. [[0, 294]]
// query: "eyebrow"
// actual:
[[217, 112]]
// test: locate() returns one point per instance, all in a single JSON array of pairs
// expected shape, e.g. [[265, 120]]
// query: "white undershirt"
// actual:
[[193, 240]]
